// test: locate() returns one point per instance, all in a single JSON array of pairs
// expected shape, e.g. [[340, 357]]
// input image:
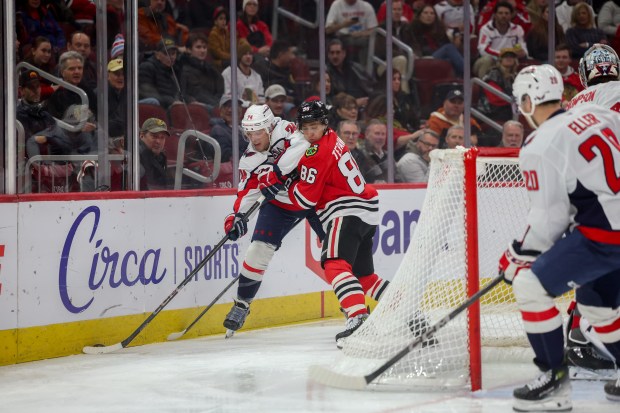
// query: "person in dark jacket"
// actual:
[[30, 112], [153, 161], [200, 80], [156, 79], [117, 95], [222, 130]]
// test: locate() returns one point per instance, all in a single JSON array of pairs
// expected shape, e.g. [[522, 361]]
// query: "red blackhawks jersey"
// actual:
[[285, 148], [331, 182], [603, 94]]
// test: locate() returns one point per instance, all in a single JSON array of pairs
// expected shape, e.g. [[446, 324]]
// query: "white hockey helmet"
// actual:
[[258, 117], [541, 83], [599, 64]]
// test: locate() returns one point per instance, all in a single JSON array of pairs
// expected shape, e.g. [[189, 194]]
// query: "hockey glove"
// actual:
[[270, 182], [235, 226], [514, 260]]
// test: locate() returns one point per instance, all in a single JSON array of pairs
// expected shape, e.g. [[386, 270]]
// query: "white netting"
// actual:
[[431, 281]]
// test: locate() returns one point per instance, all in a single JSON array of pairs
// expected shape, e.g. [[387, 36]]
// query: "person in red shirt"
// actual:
[[348, 208]]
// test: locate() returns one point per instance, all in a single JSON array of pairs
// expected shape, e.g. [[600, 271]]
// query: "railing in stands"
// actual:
[[277, 10], [481, 116], [180, 171], [372, 58]]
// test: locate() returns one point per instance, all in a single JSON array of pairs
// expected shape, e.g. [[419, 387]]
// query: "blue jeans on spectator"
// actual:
[[450, 52]]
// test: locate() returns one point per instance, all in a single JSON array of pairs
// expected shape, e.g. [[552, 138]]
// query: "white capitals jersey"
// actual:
[[603, 94], [571, 166]]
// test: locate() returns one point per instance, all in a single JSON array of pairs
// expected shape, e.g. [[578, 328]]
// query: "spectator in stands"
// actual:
[[564, 11], [406, 112], [117, 96], [30, 111], [154, 22], [275, 98], [352, 21], [84, 12], [500, 77], [40, 56], [520, 16], [609, 18], [451, 14], [562, 62], [455, 136], [535, 8], [399, 29], [116, 24], [406, 12], [375, 137], [537, 39], [451, 113], [414, 165], [583, 33], [345, 108], [219, 39], [512, 134], [156, 77], [342, 74], [349, 132], [80, 42], [315, 87], [118, 47], [200, 80], [277, 70], [38, 21], [427, 37], [153, 161], [249, 82], [253, 29], [497, 34], [71, 69], [222, 130]]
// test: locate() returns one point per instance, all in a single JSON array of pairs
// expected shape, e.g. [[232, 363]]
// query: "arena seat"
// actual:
[[198, 116], [146, 111], [426, 74]]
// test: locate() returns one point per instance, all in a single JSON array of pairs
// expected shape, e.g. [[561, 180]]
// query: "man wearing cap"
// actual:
[[153, 21], [450, 114], [117, 95], [222, 129], [30, 110], [249, 83], [156, 79], [275, 98], [153, 161]]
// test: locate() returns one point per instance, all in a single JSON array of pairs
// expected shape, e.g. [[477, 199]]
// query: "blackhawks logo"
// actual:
[[312, 150]]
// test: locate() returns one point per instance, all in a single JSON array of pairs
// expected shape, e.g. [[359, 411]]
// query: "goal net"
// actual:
[[476, 204]]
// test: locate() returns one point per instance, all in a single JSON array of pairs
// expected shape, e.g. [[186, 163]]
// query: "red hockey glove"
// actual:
[[235, 226], [514, 260], [270, 181]]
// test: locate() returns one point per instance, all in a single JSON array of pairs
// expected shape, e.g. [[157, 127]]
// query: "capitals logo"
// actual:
[[311, 151]]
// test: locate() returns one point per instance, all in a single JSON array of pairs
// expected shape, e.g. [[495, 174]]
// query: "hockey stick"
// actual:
[[101, 349], [174, 336], [331, 378]]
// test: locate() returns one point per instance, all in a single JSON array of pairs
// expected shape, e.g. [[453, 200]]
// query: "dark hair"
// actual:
[[278, 47], [562, 46], [503, 4], [194, 37]]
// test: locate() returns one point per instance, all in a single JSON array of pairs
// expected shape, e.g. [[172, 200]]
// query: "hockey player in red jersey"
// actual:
[[569, 164], [272, 155], [348, 208]]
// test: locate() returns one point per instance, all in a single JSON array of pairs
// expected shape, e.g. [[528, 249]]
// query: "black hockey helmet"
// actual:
[[310, 111]]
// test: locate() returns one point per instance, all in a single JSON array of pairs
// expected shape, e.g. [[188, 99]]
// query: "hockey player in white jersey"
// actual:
[[569, 164], [272, 156], [599, 71]]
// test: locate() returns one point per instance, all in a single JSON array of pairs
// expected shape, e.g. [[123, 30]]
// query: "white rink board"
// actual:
[[8, 266], [91, 259]]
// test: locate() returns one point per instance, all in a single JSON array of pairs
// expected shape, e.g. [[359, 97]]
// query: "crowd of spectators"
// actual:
[[185, 58]]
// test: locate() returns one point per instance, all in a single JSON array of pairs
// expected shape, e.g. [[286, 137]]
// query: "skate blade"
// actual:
[[229, 333], [580, 373], [553, 404]]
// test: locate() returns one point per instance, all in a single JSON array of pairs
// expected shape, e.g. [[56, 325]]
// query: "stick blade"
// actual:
[[102, 349], [330, 378], [175, 336]]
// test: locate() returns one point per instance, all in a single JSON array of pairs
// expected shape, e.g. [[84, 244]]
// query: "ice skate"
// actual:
[[236, 317], [551, 391], [612, 390], [353, 323], [586, 363]]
